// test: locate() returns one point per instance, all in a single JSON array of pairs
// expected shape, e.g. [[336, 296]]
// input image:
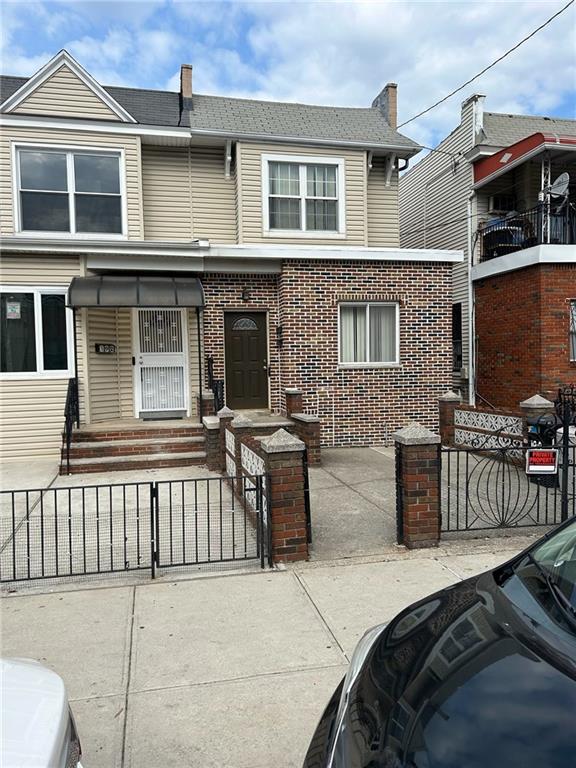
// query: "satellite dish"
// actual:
[[559, 187]]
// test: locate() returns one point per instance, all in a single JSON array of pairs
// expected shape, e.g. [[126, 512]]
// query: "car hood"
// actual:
[[34, 715], [473, 676]]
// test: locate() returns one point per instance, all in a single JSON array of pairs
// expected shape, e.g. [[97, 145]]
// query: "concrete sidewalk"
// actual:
[[220, 671]]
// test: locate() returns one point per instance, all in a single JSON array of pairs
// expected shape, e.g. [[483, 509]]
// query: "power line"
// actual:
[[496, 61]]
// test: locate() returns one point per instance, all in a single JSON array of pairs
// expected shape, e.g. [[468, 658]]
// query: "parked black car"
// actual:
[[479, 675]]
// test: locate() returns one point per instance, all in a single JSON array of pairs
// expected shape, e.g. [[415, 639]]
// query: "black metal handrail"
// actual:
[[215, 385], [71, 418], [536, 226]]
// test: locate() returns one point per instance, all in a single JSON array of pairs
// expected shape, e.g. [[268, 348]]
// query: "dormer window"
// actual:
[[71, 192], [303, 196]]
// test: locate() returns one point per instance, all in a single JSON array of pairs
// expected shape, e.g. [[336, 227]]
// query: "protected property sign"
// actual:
[[542, 461]]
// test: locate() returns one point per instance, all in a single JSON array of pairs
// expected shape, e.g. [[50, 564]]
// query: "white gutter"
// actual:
[[471, 313]]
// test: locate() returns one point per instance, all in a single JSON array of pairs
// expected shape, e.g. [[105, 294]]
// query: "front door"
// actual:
[[160, 360], [246, 360]]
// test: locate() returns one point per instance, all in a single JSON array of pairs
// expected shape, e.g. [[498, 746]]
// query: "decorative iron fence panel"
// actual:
[[76, 531], [89, 530], [489, 488], [212, 520]]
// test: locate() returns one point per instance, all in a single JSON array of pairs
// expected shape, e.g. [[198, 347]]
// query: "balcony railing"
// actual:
[[524, 230]]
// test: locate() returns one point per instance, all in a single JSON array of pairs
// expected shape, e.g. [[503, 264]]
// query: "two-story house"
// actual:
[[154, 242], [502, 188]]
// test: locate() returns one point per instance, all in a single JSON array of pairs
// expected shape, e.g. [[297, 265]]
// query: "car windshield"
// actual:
[[553, 565]]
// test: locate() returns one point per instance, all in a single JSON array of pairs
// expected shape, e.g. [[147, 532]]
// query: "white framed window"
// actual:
[[61, 191], [368, 334], [303, 196], [36, 333], [573, 330]]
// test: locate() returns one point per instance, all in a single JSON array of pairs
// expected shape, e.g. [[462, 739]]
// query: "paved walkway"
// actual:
[[220, 671]]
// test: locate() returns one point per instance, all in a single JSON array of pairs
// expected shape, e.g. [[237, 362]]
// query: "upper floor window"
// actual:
[[573, 330], [75, 192], [303, 195]]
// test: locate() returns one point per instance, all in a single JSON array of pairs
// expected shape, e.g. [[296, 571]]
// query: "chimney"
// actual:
[[387, 103], [186, 81]]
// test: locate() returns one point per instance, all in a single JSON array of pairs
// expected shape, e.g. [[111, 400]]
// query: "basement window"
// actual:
[[369, 334], [35, 333], [69, 192]]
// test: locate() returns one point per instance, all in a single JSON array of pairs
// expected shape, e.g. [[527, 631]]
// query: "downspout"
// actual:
[[471, 334]]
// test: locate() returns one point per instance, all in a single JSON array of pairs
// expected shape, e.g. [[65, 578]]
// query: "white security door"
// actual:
[[161, 381]]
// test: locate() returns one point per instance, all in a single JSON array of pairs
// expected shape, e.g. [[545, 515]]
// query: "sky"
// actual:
[[328, 52]]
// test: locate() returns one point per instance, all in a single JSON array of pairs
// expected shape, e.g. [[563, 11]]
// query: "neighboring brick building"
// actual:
[[149, 237], [526, 333]]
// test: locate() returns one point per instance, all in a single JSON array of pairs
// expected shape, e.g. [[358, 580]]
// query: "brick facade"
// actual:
[[356, 406], [522, 331]]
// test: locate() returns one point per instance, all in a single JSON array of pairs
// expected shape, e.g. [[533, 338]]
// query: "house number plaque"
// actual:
[[105, 349]]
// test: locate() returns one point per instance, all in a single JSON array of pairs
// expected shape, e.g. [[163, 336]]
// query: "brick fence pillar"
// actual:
[[447, 404], [533, 409], [207, 404], [225, 415], [293, 401], [307, 428], [417, 486], [211, 425], [283, 456]]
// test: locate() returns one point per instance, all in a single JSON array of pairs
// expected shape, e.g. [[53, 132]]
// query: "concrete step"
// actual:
[[82, 436], [146, 461], [97, 448]]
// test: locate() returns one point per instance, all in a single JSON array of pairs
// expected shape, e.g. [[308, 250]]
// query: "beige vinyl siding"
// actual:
[[249, 159], [65, 94], [110, 377], [433, 197], [383, 224], [32, 410], [37, 136], [194, 383], [186, 195], [166, 193], [213, 196]]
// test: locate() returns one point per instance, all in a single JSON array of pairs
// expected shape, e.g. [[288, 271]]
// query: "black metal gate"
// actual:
[[485, 485], [87, 530]]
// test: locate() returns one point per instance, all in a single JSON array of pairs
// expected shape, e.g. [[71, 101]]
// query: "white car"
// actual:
[[38, 729]]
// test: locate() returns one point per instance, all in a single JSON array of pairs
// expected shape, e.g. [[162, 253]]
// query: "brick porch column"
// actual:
[[417, 486], [293, 400], [225, 416], [447, 404], [307, 428], [211, 426], [283, 456]]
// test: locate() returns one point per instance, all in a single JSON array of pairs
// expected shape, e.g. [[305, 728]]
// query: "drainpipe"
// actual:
[[471, 336]]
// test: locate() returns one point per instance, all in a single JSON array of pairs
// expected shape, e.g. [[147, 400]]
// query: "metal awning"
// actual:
[[135, 291]]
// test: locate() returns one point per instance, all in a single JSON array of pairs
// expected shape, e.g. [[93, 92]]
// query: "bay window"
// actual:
[[73, 192], [303, 195], [369, 334], [35, 332]]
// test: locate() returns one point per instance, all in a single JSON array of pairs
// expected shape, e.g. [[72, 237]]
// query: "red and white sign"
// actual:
[[542, 461]]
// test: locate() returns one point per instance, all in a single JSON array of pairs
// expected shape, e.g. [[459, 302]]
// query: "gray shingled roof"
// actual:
[[364, 126], [503, 130]]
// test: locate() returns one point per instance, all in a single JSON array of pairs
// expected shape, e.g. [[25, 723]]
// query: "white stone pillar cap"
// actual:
[[415, 434], [281, 442]]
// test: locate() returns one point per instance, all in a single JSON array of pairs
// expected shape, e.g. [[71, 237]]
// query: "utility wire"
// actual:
[[496, 61]]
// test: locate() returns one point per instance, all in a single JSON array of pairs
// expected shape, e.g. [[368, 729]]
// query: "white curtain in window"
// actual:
[[382, 334], [352, 334]]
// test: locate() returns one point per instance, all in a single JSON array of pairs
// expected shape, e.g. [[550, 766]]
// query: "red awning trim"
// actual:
[[488, 168]]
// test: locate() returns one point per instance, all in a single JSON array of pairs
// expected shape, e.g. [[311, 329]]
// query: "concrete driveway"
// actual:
[[219, 671]]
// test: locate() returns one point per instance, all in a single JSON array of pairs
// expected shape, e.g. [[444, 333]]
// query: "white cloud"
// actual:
[[318, 52]]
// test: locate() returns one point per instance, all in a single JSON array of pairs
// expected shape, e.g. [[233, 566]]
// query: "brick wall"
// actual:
[[356, 406], [522, 325], [364, 406]]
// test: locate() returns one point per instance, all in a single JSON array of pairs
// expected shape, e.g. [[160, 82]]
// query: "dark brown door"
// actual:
[[246, 360]]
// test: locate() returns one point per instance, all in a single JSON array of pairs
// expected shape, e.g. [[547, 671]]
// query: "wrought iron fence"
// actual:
[[86, 530], [524, 230]]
